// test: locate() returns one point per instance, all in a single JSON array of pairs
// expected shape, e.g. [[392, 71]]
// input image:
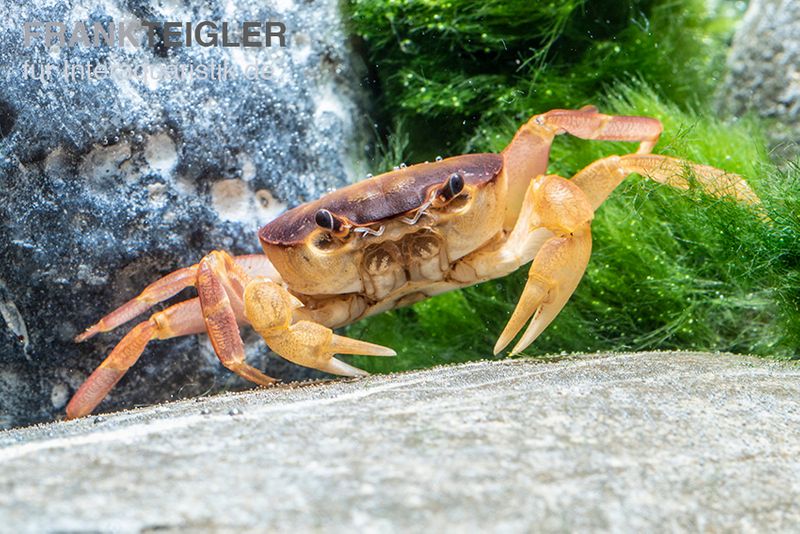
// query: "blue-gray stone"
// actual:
[[106, 185]]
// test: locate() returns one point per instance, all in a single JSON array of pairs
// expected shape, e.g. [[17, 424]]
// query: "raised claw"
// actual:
[[529, 303], [554, 275]]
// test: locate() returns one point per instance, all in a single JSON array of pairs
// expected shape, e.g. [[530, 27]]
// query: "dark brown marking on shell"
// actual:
[[382, 197]]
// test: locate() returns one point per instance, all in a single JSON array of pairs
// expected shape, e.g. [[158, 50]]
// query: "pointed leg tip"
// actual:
[[78, 408], [73, 414], [89, 333], [387, 352], [338, 367]]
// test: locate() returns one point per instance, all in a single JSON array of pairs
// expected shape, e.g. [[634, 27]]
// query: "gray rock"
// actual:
[[649, 442], [106, 185], [764, 72]]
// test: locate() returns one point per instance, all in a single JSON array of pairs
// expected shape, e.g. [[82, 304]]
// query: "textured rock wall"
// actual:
[[107, 184], [764, 71]]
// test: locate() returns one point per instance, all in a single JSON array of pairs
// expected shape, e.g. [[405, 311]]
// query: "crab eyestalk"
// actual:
[[336, 225], [451, 188]]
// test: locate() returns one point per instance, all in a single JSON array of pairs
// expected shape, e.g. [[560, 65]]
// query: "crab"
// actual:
[[398, 238]]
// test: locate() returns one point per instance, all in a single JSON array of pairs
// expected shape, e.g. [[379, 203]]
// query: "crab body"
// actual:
[[406, 249], [398, 238]]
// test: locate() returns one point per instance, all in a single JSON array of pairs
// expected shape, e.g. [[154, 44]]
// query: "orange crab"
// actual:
[[398, 238]]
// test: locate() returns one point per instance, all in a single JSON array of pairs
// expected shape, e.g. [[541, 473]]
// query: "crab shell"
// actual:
[[313, 261]]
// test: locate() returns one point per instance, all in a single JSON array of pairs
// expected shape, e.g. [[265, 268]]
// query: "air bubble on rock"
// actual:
[[438, 158], [403, 165], [369, 175]]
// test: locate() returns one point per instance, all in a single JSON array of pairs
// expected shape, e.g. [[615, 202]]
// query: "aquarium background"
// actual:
[[670, 269]]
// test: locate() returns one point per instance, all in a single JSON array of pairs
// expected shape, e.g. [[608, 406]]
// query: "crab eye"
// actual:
[[453, 186], [331, 222], [325, 219]]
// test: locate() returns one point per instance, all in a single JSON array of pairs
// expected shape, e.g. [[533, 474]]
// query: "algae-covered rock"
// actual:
[[106, 184]]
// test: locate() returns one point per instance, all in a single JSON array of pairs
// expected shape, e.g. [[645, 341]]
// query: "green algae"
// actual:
[[670, 269]]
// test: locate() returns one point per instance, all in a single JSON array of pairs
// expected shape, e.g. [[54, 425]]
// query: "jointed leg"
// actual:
[[217, 276], [588, 123], [601, 177], [253, 265], [527, 154], [220, 318], [158, 291], [182, 319]]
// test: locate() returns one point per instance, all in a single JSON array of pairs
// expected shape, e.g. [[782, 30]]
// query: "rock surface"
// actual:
[[106, 185], [764, 71], [649, 442]]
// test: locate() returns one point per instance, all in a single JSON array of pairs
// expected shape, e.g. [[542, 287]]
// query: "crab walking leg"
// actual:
[[601, 177], [158, 291], [220, 318], [170, 285], [526, 156], [182, 319], [269, 308], [588, 123]]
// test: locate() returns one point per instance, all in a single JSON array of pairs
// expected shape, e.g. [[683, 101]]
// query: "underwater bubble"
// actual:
[[403, 165], [369, 175], [438, 158]]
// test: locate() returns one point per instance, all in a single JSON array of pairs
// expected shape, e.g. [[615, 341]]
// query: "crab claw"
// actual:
[[312, 345], [338, 367], [552, 279], [269, 307], [346, 345]]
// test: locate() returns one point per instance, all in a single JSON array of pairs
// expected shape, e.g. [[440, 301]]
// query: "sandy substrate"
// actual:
[[624, 442]]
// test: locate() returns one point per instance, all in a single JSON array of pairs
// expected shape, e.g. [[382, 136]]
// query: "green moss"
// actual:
[[670, 269]]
